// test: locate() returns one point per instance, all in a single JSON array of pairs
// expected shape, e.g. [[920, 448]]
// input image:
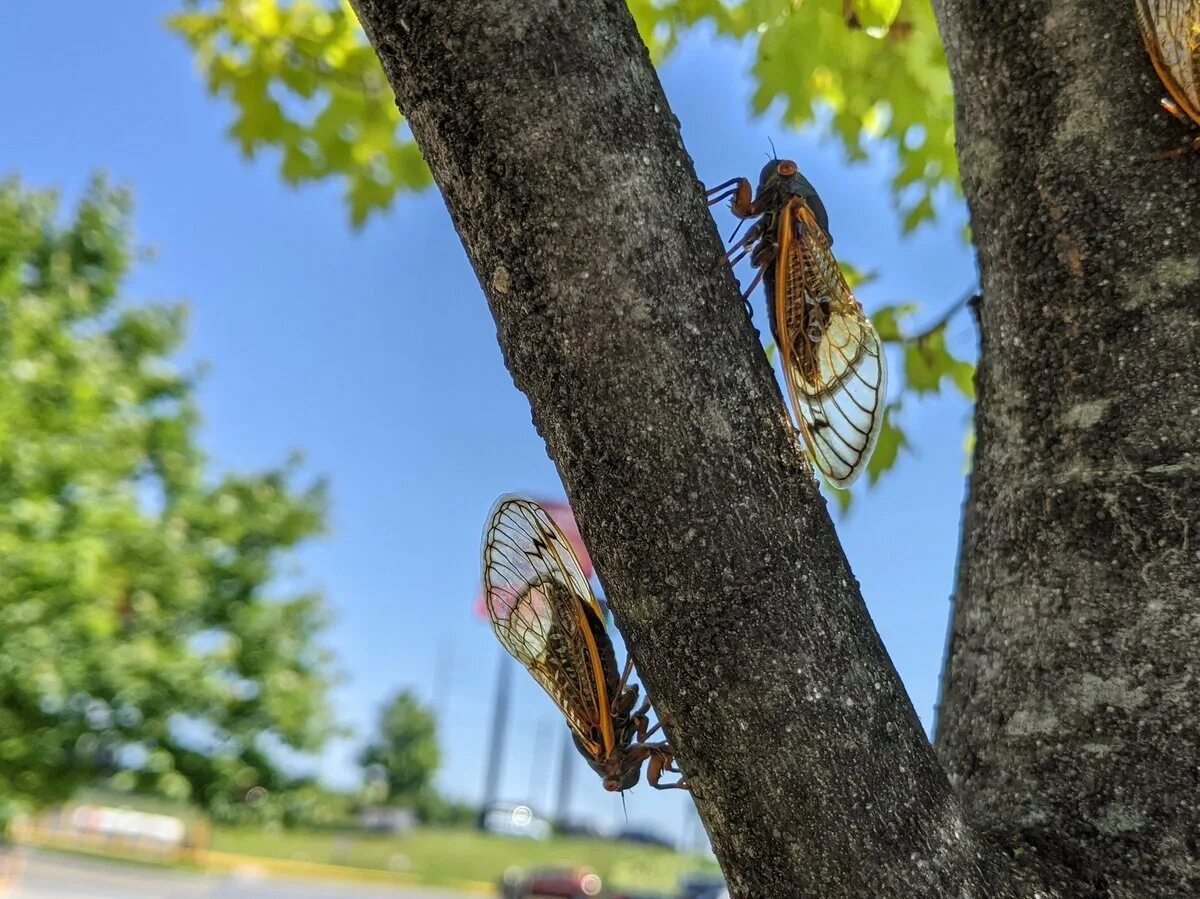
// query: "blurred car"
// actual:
[[702, 886], [644, 837], [579, 829], [515, 821], [559, 883]]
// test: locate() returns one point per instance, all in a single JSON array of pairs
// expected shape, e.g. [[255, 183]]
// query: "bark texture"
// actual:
[[1070, 716], [549, 135]]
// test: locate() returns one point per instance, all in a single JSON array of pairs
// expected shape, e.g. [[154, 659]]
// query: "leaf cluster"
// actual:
[[140, 638]]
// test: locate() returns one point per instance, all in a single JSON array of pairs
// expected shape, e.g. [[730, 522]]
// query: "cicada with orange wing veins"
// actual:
[[831, 356], [545, 613], [1171, 30]]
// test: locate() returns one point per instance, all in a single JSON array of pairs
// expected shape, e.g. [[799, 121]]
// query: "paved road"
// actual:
[[52, 876]]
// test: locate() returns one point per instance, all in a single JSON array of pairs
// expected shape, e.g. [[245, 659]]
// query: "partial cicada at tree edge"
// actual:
[[1171, 30], [831, 356], [545, 614]]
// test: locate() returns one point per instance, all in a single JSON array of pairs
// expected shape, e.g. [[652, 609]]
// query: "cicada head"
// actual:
[[780, 180], [618, 772], [623, 780]]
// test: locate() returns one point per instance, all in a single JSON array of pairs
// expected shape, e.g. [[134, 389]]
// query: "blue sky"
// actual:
[[373, 353]]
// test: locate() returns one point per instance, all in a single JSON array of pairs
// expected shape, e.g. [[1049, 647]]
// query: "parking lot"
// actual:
[[53, 876]]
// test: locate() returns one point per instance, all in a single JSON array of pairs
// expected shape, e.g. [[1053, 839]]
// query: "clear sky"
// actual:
[[373, 353]]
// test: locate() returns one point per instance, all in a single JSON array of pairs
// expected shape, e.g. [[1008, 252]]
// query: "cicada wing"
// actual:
[[545, 614], [831, 355], [1171, 31]]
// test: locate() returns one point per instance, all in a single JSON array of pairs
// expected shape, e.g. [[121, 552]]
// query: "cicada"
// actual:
[[831, 356], [545, 614], [1171, 30]]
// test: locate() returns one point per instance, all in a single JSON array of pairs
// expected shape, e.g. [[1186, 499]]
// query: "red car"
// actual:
[[551, 883]]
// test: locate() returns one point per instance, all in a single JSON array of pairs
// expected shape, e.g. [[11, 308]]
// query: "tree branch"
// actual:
[[549, 135], [1069, 712], [971, 296]]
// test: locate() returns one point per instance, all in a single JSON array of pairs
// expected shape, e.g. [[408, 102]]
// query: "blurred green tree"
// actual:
[[139, 638], [870, 74], [403, 757]]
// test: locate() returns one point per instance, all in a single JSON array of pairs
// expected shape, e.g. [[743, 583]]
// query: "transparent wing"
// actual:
[[1171, 30], [832, 358], [545, 614]]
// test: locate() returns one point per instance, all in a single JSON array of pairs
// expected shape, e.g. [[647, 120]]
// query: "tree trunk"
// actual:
[[550, 138], [1070, 715]]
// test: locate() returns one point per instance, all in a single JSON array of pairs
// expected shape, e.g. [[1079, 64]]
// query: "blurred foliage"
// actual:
[[927, 365], [435, 810], [303, 80], [403, 757], [871, 74], [137, 638]]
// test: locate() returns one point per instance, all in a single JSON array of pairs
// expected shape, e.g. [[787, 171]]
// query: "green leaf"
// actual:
[[856, 277], [887, 321], [962, 373], [876, 14], [927, 361], [305, 83], [843, 499], [887, 449]]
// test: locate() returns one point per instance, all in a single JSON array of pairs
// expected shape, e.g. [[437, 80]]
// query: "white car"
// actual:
[[516, 821]]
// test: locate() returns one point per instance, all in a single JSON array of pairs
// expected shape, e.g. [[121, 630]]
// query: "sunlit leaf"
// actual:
[[887, 449], [887, 321], [927, 361]]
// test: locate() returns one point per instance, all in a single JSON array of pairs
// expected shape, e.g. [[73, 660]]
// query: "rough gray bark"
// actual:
[[1070, 717], [549, 135]]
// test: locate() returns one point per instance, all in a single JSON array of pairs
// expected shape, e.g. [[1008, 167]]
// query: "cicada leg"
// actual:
[[625, 672], [663, 760], [1175, 153], [641, 722], [763, 261], [1173, 108], [737, 190]]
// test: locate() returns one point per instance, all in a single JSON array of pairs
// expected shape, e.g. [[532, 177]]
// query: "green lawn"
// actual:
[[441, 856]]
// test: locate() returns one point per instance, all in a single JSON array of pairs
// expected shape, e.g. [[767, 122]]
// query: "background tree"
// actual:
[[1067, 748], [404, 755], [140, 637]]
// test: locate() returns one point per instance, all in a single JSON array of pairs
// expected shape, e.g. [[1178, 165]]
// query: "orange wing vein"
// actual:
[[831, 356]]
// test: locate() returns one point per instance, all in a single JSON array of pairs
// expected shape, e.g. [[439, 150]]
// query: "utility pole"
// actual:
[[495, 754], [543, 739], [563, 801]]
